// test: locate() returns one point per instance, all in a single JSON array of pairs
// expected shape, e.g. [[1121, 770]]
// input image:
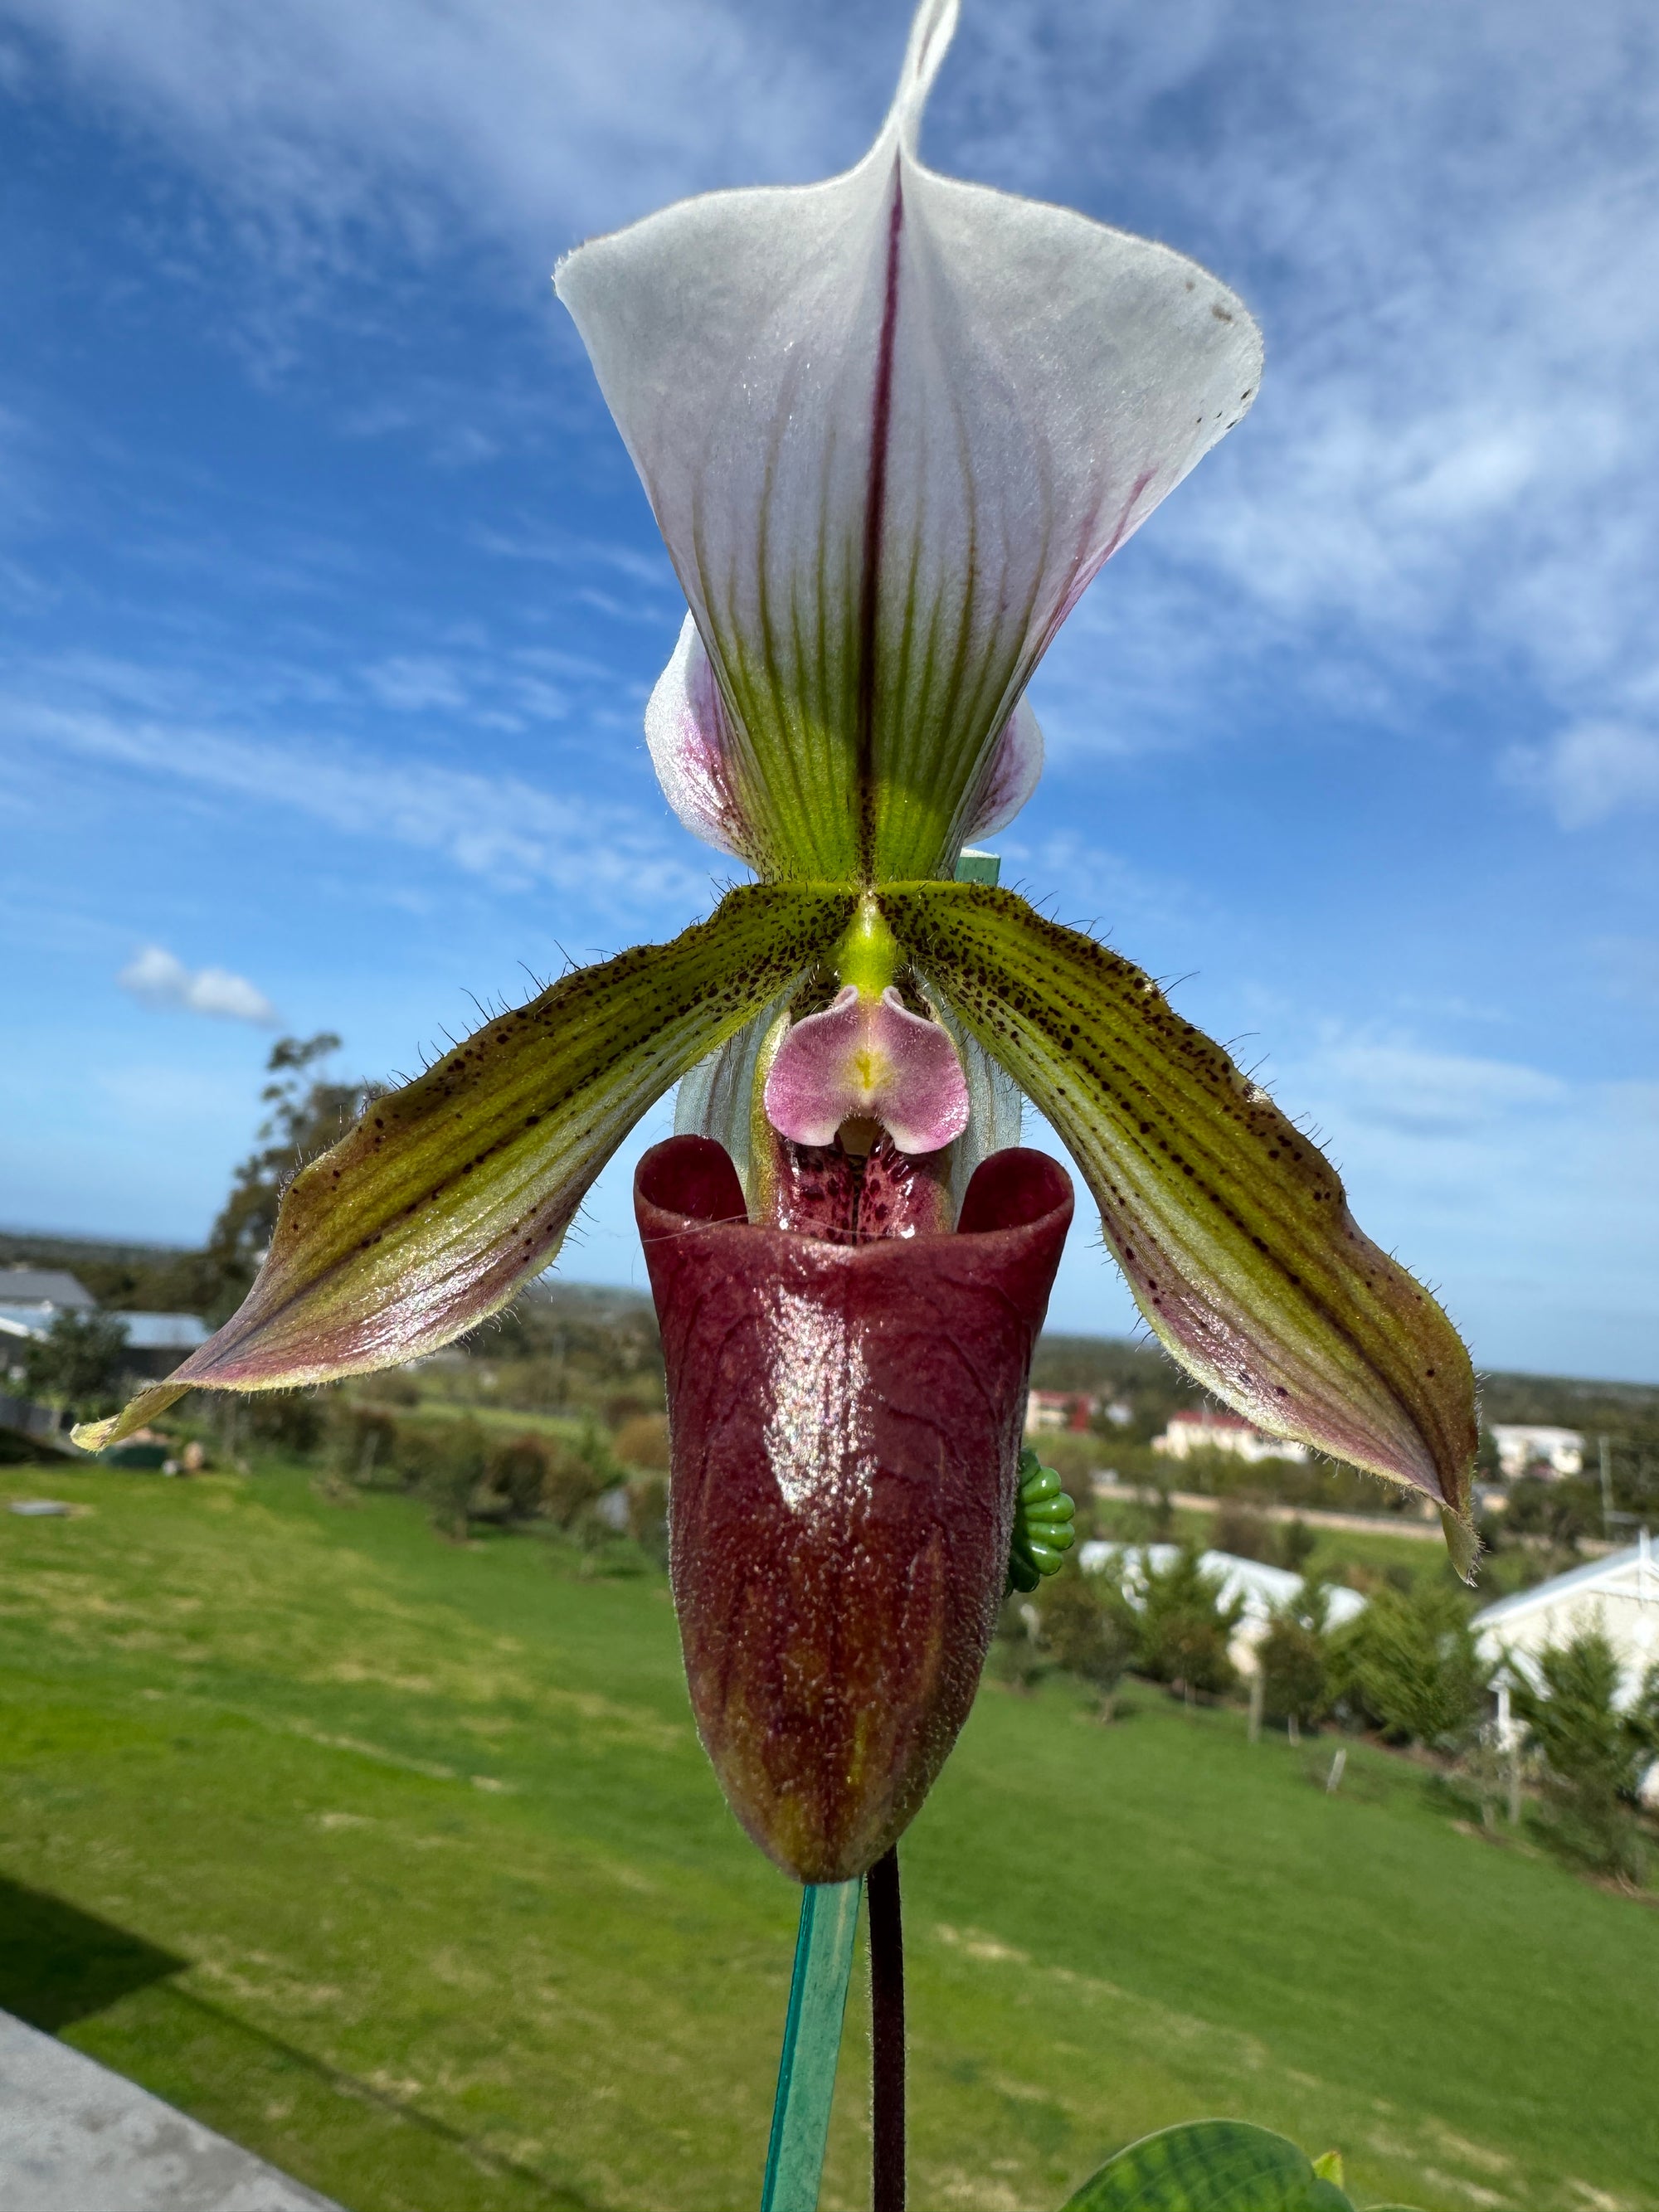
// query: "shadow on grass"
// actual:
[[60, 1965], [551, 2194]]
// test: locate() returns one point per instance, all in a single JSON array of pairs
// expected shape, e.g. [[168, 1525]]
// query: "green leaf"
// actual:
[[449, 1194], [1232, 1229], [1209, 2165]]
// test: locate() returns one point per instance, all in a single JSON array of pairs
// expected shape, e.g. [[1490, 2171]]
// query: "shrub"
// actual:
[[78, 1364], [648, 1516], [446, 1463], [390, 1387], [292, 1420], [1243, 1532], [1295, 1659], [1184, 1626], [642, 1442], [1091, 1637], [1594, 1755], [1408, 1665], [1559, 1511], [577, 1475], [1072, 1455], [362, 1442], [1296, 1545], [516, 1477]]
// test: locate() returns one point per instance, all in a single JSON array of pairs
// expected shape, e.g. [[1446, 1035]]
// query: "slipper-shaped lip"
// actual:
[[845, 1423], [688, 1183]]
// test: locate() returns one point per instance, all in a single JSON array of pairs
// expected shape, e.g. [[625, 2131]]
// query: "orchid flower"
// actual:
[[890, 425]]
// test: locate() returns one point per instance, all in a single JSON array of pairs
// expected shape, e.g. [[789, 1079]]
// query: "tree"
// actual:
[[1295, 1658], [305, 1116], [78, 1364], [1562, 1511], [1594, 1755], [1091, 1637], [1409, 1667], [1296, 1545], [1185, 1625]]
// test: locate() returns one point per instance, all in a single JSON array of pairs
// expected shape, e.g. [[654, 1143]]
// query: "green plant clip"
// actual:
[[1043, 1525]]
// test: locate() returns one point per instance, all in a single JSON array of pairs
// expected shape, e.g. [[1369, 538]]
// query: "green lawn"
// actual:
[[399, 1863]]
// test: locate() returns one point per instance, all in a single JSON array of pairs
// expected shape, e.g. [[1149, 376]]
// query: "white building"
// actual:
[[32, 1298], [1202, 1431], [1619, 1594], [1058, 1409], [1519, 1447], [1262, 1588]]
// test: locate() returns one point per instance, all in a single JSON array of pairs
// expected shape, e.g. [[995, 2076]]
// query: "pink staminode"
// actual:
[[868, 1057]]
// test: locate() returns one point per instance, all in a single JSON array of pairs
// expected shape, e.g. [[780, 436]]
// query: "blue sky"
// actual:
[[329, 603]]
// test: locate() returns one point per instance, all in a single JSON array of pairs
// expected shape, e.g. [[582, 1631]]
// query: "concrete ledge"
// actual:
[[74, 2138]]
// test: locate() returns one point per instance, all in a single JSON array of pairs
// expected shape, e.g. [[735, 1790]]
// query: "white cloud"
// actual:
[[158, 979], [1419, 1092], [500, 827], [1448, 219], [415, 683], [1492, 1177], [421, 116], [1589, 772]]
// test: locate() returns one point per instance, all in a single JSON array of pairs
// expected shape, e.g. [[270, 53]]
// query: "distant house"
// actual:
[[1520, 1447], [1203, 1431], [1262, 1588], [32, 1298], [1619, 1594], [1058, 1409]]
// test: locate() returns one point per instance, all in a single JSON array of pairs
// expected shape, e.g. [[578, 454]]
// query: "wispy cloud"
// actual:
[[1448, 221], [1590, 771], [1492, 1176], [529, 121], [500, 827], [414, 683], [158, 980], [1415, 1092]]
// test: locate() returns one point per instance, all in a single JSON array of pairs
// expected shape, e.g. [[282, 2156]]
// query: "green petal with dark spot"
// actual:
[[1232, 1229], [450, 1192]]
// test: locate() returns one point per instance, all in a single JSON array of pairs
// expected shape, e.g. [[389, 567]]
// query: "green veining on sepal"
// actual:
[[1043, 1533]]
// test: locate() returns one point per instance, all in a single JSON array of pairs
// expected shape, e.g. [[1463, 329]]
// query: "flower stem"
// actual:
[[887, 2033], [812, 2045]]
